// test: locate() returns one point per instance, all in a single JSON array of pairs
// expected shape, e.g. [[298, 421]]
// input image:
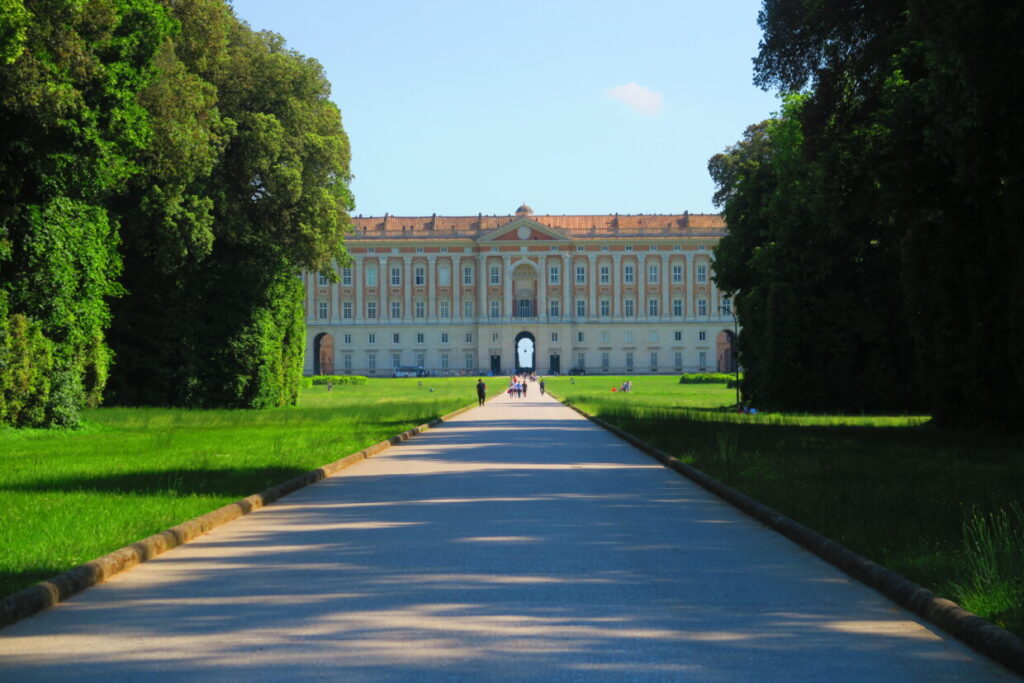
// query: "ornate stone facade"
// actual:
[[459, 295]]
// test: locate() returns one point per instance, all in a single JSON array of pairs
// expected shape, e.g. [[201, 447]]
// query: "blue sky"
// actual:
[[459, 107]]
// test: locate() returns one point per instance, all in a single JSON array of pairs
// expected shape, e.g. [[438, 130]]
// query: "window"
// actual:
[[581, 275], [323, 310], [606, 275], [421, 309], [371, 309], [581, 360], [444, 361], [604, 247], [371, 277], [469, 337], [605, 361], [678, 335], [396, 309], [396, 360], [419, 275], [629, 247], [419, 339], [604, 336], [654, 361], [553, 274], [346, 277], [444, 337], [443, 308], [628, 336], [579, 337], [495, 309], [702, 361], [525, 308], [653, 247], [469, 361], [553, 308], [677, 307], [396, 276], [652, 274], [467, 275], [371, 338], [627, 308], [420, 360], [348, 338], [444, 250], [322, 280], [371, 362], [677, 273], [494, 337], [606, 307], [554, 336], [726, 305], [419, 250], [702, 335], [581, 308], [581, 248], [371, 250], [627, 276], [444, 276], [346, 310], [652, 306], [652, 336], [396, 338], [679, 361], [347, 362], [702, 273], [702, 306], [629, 361], [495, 275], [677, 247], [701, 247], [467, 309]]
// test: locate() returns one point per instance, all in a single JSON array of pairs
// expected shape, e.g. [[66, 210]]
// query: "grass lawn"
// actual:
[[67, 497], [941, 508]]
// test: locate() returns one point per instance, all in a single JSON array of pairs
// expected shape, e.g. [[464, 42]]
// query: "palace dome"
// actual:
[[524, 210]]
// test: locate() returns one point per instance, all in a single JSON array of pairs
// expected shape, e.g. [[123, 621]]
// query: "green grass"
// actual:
[[940, 508], [67, 497]]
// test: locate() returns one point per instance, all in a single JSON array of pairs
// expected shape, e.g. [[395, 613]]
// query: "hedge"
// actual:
[[318, 380], [708, 378]]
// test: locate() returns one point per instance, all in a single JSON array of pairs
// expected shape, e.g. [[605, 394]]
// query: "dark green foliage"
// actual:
[[320, 380], [72, 128], [707, 378]]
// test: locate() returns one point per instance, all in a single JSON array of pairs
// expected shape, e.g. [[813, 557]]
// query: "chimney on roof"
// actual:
[[686, 219]]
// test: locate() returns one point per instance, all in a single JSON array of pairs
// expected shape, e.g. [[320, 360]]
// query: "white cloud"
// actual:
[[639, 98]]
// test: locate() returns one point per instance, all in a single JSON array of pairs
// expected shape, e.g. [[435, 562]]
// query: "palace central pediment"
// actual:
[[524, 229]]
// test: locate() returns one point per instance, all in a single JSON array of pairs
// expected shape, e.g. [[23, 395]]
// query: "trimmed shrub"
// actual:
[[708, 378], [320, 380]]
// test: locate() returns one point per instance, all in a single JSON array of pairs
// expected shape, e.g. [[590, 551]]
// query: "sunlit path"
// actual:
[[518, 541]]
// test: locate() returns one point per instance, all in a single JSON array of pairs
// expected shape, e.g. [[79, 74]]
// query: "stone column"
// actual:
[[506, 268], [666, 287], [456, 266], [407, 288], [542, 289], [481, 287], [335, 303], [431, 283], [592, 286], [566, 286], [690, 278], [383, 311], [617, 284]]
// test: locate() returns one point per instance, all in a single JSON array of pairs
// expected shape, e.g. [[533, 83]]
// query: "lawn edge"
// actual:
[[45, 594], [980, 634]]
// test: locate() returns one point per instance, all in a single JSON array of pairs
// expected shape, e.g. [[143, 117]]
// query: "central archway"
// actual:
[[525, 352]]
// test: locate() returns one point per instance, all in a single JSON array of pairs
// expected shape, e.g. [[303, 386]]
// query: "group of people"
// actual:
[[518, 386]]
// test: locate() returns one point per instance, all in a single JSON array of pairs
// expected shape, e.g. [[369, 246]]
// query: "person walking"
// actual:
[[542, 387], [481, 390]]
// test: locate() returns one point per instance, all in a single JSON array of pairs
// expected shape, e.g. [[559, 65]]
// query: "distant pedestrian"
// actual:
[[526, 386], [542, 387], [481, 390]]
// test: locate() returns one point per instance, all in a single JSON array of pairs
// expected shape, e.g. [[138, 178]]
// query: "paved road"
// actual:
[[518, 541]]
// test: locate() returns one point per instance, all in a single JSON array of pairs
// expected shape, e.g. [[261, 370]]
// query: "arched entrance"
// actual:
[[725, 347], [323, 354], [526, 352]]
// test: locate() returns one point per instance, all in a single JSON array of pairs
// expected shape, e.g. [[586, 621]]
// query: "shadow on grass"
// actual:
[[181, 482]]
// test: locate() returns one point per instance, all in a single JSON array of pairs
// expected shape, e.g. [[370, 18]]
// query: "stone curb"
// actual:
[[980, 634], [45, 594]]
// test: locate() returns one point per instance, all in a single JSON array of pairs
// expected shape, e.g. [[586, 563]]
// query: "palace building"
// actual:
[[611, 294]]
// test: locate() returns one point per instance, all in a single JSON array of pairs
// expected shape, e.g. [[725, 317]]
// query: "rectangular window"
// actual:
[[678, 335], [627, 308], [469, 337], [421, 309], [628, 276], [444, 276], [629, 247], [396, 338], [371, 362], [581, 308], [495, 275], [495, 309], [554, 273], [371, 309], [627, 336], [654, 361], [467, 275], [348, 338], [396, 309], [629, 361], [677, 307], [323, 310], [579, 337], [420, 360], [553, 308], [702, 306], [467, 309], [606, 307], [494, 337], [346, 310], [652, 274], [396, 360], [444, 361], [702, 361], [396, 277], [677, 274], [443, 308], [581, 275], [726, 305], [702, 335], [347, 362], [346, 277], [469, 361], [679, 361], [371, 338], [444, 337], [419, 339], [581, 360], [322, 280], [371, 277], [525, 308], [702, 274], [652, 307], [554, 336], [605, 336], [606, 275], [420, 275], [606, 361]]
